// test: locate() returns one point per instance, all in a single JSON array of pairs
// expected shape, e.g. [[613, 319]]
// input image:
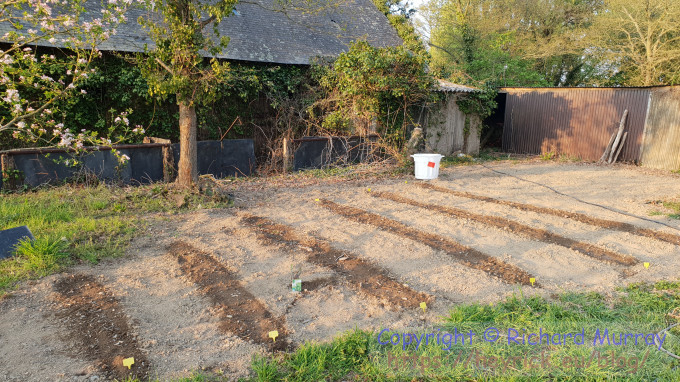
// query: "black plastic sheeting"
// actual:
[[9, 239], [321, 153], [234, 157]]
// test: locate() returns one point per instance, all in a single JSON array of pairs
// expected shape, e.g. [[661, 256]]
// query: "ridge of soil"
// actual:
[[583, 218], [519, 229], [468, 256], [360, 274], [240, 312], [98, 326]]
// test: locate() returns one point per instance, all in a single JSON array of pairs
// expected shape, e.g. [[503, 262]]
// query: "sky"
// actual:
[[415, 4]]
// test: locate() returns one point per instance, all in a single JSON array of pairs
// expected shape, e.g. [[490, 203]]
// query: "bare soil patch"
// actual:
[[583, 218], [99, 327], [359, 273], [312, 285], [519, 229], [178, 305], [241, 313], [468, 256]]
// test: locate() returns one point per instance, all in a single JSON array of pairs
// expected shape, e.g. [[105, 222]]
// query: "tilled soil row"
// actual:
[[468, 256], [583, 218], [240, 312], [519, 229], [99, 327], [362, 275]]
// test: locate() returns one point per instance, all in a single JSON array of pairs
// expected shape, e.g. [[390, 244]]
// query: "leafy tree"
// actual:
[[175, 64], [640, 40], [511, 42]]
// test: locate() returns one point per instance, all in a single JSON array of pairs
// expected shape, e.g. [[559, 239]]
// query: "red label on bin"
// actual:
[[430, 164]]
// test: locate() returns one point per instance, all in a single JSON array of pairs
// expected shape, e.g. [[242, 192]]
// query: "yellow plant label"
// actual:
[[128, 362], [532, 281], [273, 334]]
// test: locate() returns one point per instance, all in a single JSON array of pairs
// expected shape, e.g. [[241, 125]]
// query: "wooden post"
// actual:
[[7, 165], [623, 140], [622, 125], [287, 154], [605, 155], [3, 160], [168, 158]]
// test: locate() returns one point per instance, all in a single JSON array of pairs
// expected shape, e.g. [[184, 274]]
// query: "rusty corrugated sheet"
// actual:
[[661, 144], [577, 122]]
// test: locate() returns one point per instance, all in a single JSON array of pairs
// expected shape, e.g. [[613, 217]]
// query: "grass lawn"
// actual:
[[359, 355], [73, 224]]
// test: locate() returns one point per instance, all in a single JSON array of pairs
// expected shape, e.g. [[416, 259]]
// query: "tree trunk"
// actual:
[[187, 174]]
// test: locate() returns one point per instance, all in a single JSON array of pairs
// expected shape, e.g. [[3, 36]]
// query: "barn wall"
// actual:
[[661, 145], [577, 122], [445, 129]]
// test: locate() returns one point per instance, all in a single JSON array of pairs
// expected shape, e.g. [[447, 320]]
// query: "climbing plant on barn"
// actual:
[[370, 88]]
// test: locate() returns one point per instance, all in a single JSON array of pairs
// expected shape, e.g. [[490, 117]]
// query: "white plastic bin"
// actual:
[[427, 165]]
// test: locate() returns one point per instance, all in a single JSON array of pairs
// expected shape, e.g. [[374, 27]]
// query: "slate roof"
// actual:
[[259, 31]]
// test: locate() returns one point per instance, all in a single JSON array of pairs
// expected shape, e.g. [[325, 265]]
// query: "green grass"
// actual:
[[74, 224], [548, 155], [357, 355], [672, 210], [675, 207]]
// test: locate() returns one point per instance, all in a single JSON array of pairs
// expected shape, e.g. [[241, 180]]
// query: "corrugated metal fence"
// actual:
[[661, 142], [577, 122]]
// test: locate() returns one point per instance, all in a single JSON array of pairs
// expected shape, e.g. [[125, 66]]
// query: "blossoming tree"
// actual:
[[46, 53]]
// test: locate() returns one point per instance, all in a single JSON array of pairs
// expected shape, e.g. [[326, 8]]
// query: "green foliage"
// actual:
[[42, 256], [117, 85], [481, 103], [511, 42], [555, 43], [638, 41], [398, 14], [175, 65], [368, 84]]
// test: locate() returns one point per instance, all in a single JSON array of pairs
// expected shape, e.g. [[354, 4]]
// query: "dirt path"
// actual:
[[208, 301]]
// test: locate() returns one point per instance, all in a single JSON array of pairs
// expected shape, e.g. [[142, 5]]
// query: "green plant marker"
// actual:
[[297, 285]]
